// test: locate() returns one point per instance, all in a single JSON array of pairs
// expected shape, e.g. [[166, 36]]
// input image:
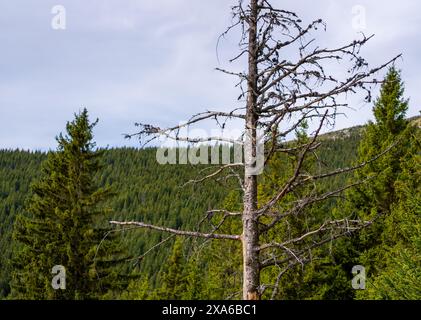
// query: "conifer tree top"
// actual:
[[78, 133], [391, 107]]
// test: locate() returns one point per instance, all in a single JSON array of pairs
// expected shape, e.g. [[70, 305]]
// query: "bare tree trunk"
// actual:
[[290, 92], [250, 236]]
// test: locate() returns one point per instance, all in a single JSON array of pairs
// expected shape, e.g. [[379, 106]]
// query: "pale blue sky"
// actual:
[[153, 61]]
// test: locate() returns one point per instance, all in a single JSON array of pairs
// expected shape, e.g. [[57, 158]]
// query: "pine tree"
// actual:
[[390, 125], [194, 289], [138, 289], [401, 276], [174, 278], [375, 199], [62, 224]]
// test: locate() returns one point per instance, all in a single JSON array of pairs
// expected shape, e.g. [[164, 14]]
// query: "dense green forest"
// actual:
[[146, 190], [151, 192]]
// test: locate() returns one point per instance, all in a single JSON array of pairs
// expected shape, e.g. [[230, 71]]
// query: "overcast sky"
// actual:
[[153, 61]]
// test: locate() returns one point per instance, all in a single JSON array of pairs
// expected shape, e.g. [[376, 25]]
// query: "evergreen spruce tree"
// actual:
[[194, 289], [62, 222], [375, 199], [174, 278], [138, 289], [400, 277]]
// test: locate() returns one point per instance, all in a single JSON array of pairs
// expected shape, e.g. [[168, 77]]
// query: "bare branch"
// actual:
[[306, 178], [342, 224], [305, 202], [177, 232], [273, 261], [141, 257], [291, 181], [215, 173]]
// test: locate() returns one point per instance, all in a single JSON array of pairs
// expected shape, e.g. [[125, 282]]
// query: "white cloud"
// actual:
[[153, 61]]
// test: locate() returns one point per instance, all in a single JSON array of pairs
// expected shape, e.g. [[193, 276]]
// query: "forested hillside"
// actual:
[[144, 190], [17, 170], [188, 268]]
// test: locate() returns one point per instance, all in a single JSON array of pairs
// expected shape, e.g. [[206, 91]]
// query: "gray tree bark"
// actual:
[[250, 236]]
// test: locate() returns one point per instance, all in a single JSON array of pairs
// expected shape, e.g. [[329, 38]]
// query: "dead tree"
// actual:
[[288, 81]]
